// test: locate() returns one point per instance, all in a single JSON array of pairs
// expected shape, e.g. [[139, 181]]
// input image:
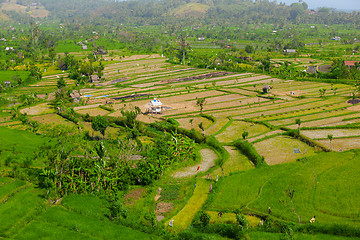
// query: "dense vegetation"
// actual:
[[258, 96]]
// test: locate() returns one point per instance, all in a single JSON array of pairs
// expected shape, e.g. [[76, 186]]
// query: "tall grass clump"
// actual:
[[248, 150]]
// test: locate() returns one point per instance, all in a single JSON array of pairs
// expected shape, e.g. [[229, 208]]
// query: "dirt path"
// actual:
[[208, 158]]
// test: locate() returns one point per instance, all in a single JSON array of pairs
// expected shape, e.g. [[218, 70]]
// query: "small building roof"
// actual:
[[155, 102], [350, 63]]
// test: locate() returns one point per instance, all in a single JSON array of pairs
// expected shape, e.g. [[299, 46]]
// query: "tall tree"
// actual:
[[100, 123]]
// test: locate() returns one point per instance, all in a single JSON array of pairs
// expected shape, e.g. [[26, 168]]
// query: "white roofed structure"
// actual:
[[155, 106]]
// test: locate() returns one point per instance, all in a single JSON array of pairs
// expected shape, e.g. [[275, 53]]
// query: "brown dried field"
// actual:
[[52, 119], [185, 123], [43, 108], [93, 111], [341, 144]]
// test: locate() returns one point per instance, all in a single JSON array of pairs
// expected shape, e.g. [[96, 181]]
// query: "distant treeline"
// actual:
[[219, 12]]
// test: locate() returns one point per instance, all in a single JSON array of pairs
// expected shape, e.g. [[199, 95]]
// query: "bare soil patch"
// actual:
[[93, 111], [133, 196], [163, 207], [42, 108]]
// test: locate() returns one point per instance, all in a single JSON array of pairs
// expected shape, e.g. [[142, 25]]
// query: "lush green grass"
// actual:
[[19, 208], [297, 236], [19, 144], [8, 76], [68, 46], [257, 189], [9, 185], [95, 207], [76, 226], [183, 219]]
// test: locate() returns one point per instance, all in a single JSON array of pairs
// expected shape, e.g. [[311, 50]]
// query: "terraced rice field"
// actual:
[[134, 81]]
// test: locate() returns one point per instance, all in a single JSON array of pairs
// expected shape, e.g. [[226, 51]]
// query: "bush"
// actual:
[[204, 219], [332, 229], [226, 230], [209, 117], [241, 220], [248, 150]]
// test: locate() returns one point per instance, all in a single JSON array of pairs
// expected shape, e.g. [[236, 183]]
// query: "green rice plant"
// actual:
[[256, 189]]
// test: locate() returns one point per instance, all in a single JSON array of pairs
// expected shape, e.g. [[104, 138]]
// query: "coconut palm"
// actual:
[[330, 137]]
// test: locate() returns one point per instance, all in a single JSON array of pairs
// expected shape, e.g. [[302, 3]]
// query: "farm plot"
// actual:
[[43, 108], [297, 110], [236, 128], [217, 126], [52, 119], [282, 149], [323, 133], [61, 223], [236, 162], [93, 111], [341, 144], [256, 189], [20, 207], [189, 123], [312, 115]]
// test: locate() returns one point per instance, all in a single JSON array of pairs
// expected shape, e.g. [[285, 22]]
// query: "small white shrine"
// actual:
[[155, 106]]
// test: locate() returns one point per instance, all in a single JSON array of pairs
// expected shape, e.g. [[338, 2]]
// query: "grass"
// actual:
[[297, 236], [60, 223], [236, 128], [20, 141], [8, 76], [183, 219], [236, 162], [19, 208], [256, 189]]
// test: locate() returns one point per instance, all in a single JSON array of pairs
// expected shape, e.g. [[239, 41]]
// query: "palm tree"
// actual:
[[200, 102], [245, 134], [330, 137], [298, 122]]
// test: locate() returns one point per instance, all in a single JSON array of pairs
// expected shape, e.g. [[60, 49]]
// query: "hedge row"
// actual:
[[209, 117], [347, 126], [248, 150]]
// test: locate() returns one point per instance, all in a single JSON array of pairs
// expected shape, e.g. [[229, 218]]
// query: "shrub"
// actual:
[[241, 220], [248, 150], [204, 219], [209, 117]]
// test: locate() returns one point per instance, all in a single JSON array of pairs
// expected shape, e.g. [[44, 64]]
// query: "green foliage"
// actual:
[[61, 83], [241, 220], [200, 102], [209, 117], [245, 134], [204, 219], [100, 123]]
